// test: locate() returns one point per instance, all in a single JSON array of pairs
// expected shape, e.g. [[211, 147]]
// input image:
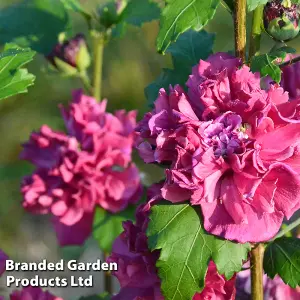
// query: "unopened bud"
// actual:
[[281, 19], [70, 56], [110, 12]]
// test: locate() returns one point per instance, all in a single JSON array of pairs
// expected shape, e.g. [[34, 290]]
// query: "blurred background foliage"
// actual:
[[130, 64]]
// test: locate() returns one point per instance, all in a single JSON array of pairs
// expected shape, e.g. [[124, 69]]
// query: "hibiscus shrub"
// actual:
[[224, 127]]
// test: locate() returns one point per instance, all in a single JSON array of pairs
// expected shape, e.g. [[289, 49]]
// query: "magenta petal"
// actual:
[[32, 293], [72, 216], [287, 135], [287, 195], [74, 234], [174, 193], [146, 152], [217, 221], [233, 201]]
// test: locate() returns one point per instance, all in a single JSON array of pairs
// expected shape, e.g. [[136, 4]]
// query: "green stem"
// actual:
[[256, 267], [256, 31], [240, 29], [98, 46], [86, 82], [277, 46], [287, 229], [107, 278]]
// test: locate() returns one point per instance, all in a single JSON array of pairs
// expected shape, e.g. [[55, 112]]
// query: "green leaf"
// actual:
[[136, 13], [230, 4], [108, 226], [14, 79], [74, 5], [166, 78], [267, 64], [190, 48], [252, 4], [186, 52], [282, 257], [180, 15], [186, 250], [33, 23], [282, 52]]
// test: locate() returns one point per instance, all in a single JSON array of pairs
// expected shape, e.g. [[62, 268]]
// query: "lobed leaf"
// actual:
[[265, 64], [14, 79], [74, 5], [108, 226], [282, 257], [180, 15], [230, 4], [186, 52], [252, 4], [268, 64], [33, 23], [136, 13], [186, 249]]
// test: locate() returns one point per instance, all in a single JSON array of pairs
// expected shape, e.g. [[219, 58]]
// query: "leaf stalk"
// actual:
[[287, 229], [256, 31]]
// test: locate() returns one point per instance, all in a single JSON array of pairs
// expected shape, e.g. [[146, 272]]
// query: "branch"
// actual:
[[240, 29], [290, 62], [256, 265], [287, 229]]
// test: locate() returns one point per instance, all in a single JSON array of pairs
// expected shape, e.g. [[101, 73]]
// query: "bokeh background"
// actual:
[[130, 64]]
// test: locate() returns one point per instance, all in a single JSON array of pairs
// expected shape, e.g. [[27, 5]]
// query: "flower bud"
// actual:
[[71, 56], [281, 19], [110, 12]]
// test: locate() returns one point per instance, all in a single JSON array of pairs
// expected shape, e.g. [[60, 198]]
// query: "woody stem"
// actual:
[[256, 267], [240, 29]]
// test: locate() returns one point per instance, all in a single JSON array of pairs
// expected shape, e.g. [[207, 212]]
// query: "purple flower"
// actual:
[[216, 287], [32, 293], [87, 167], [137, 273], [281, 19], [290, 79], [3, 258], [222, 84], [219, 144], [274, 289]]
